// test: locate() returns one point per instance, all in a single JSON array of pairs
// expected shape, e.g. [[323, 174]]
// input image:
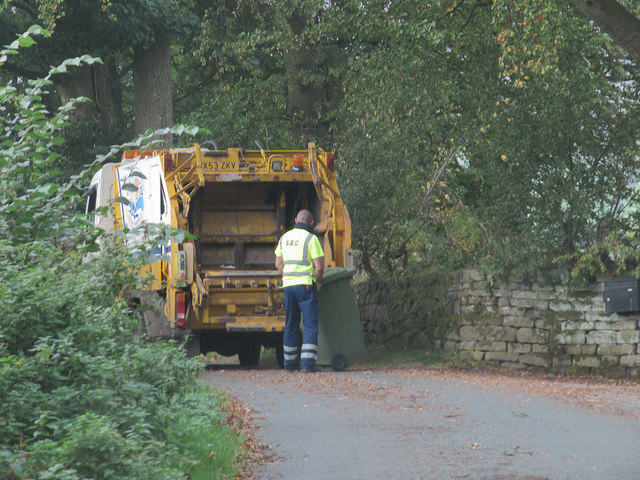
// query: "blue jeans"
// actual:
[[301, 300]]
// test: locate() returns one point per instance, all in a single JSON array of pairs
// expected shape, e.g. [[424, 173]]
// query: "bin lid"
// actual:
[[625, 280], [336, 273]]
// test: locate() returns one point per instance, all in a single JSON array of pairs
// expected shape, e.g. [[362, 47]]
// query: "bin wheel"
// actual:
[[338, 362]]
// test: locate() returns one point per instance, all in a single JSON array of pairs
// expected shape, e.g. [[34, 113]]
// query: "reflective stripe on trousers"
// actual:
[[300, 303], [290, 353], [309, 351]]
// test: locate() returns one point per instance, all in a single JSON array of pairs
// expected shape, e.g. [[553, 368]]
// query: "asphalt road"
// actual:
[[423, 424]]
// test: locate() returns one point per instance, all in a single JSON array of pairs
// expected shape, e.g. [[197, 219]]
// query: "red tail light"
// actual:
[[168, 163], [181, 308], [330, 163]]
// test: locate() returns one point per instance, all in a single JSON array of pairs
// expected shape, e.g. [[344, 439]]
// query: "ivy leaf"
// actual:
[[26, 42], [129, 187], [136, 173]]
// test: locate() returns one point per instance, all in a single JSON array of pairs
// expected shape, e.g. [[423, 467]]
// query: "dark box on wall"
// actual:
[[621, 295]]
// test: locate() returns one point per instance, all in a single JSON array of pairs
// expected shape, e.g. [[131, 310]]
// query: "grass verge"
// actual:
[[203, 434]]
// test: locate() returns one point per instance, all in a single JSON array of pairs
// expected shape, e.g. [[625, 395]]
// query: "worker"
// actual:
[[300, 261]]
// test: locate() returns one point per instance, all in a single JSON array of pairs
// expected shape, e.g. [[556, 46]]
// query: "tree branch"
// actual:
[[484, 3], [27, 8], [23, 72], [196, 88], [622, 25], [427, 196]]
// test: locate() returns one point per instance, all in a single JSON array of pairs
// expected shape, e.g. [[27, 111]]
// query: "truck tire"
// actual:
[[191, 346], [140, 333], [249, 354]]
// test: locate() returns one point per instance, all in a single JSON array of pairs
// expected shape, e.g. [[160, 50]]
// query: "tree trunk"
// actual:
[[307, 96], [100, 84], [307, 99], [622, 25], [152, 86]]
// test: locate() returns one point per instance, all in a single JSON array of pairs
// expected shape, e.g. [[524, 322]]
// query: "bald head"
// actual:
[[305, 216]]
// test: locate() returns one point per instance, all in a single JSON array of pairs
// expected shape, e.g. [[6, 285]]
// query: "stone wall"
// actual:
[[513, 324]]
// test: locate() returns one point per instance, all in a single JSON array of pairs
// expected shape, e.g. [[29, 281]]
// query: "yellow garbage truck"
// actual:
[[220, 285]]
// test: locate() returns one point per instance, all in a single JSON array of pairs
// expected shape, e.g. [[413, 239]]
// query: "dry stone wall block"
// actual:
[[532, 335], [590, 361], [628, 336], [501, 357], [632, 361], [571, 338], [535, 360], [616, 350], [602, 337]]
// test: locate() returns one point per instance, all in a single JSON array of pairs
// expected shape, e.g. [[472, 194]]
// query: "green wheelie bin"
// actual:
[[340, 337]]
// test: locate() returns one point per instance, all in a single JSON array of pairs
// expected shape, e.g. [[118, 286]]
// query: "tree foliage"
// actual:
[[111, 30], [270, 72], [100, 28], [536, 107], [569, 134], [412, 103], [469, 133]]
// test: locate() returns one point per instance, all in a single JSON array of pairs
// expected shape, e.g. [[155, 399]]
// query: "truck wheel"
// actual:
[[140, 333], [249, 355], [192, 346]]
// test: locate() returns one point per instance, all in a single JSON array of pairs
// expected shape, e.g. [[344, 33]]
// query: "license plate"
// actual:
[[220, 166]]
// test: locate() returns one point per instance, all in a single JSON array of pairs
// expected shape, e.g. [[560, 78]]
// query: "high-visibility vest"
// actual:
[[298, 248]]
